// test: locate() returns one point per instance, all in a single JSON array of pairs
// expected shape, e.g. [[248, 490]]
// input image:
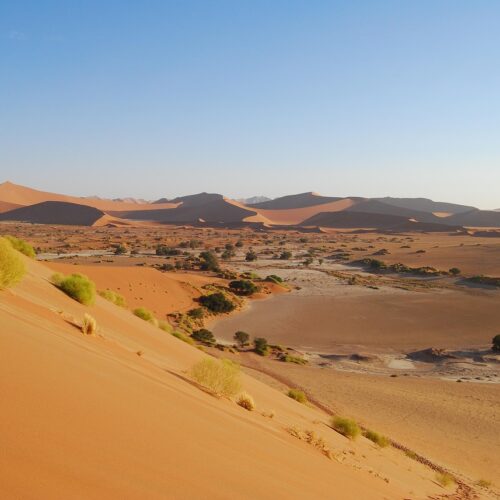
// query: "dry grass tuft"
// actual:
[[298, 395], [89, 325], [246, 401], [222, 377], [113, 297], [311, 438], [347, 427], [445, 479], [377, 438]]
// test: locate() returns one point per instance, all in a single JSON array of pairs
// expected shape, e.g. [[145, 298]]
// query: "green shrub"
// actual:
[[298, 395], [217, 302], [113, 297], [273, 278], [21, 246], [221, 376], [145, 314], [261, 347], [209, 261], [347, 427], [76, 286], [12, 267], [241, 338], [377, 438], [294, 359], [203, 335], [196, 313], [243, 287], [495, 343]]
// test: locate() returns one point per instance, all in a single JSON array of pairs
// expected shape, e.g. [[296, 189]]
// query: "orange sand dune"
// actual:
[[6, 206], [162, 293], [21, 195], [297, 215], [86, 417]]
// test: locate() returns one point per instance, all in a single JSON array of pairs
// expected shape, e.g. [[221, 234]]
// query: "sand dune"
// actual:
[[87, 417], [6, 206], [55, 212], [295, 201]]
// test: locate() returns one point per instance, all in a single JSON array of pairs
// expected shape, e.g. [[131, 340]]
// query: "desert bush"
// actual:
[[261, 346], [285, 255], [251, 256], [182, 336], [241, 338], [209, 262], [243, 287], [165, 326], [89, 325], [203, 335], [377, 438], [455, 271], [76, 286], [246, 401], [113, 297], [217, 302], [196, 313], [12, 267], [347, 427], [273, 278], [221, 376], [483, 483], [495, 343], [120, 249], [21, 246], [167, 251], [145, 314], [298, 395], [288, 358], [445, 479]]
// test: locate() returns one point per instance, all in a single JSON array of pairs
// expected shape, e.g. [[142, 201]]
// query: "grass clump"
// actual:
[[377, 438], [288, 358], [165, 326], [411, 454], [246, 401], [12, 267], [298, 395], [183, 337], [113, 297], [145, 314], [483, 483], [89, 325], [445, 479], [346, 426], [21, 246], [220, 376], [76, 286]]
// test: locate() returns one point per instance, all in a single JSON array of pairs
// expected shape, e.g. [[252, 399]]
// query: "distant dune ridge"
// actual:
[[20, 203]]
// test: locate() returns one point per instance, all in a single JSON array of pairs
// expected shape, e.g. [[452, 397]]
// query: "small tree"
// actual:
[[243, 287], [496, 343], [242, 338], [217, 302], [286, 255], [120, 249], [250, 256], [455, 271], [261, 346], [209, 261], [204, 335]]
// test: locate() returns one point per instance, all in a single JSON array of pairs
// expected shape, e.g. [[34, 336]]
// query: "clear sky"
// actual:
[[159, 98]]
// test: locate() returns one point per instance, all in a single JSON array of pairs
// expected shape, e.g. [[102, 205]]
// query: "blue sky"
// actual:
[[244, 97]]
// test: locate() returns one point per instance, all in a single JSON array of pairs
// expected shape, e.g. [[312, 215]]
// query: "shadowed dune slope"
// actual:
[[89, 418], [55, 212], [425, 205], [476, 218], [214, 209], [347, 219]]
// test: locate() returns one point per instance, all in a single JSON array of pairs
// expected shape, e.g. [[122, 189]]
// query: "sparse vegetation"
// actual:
[[217, 302], [495, 343], [12, 267], [261, 347], [21, 246], [445, 479], [246, 401], [220, 376], [377, 438], [346, 426], [145, 314], [288, 358], [76, 286], [113, 297], [89, 325], [203, 335], [241, 338], [298, 395]]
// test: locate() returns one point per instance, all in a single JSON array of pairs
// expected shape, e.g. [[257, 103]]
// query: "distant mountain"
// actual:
[[426, 205], [253, 200], [295, 201]]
